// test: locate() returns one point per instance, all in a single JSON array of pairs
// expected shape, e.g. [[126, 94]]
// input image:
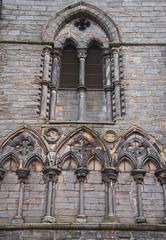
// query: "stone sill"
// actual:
[[80, 122], [88, 226]]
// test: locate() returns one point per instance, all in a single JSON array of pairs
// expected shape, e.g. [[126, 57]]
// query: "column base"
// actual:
[[18, 219], [140, 220], [164, 221], [49, 219], [81, 218], [111, 219]]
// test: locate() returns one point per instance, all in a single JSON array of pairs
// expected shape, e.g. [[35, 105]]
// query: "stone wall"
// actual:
[[122, 159]]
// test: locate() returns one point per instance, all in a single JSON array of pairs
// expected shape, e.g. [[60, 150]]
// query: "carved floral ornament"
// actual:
[[52, 135]]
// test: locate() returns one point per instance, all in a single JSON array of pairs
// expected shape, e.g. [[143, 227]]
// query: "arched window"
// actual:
[[93, 68], [86, 74], [69, 74]]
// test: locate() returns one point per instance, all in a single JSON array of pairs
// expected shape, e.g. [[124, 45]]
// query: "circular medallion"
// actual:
[[52, 135], [110, 136]]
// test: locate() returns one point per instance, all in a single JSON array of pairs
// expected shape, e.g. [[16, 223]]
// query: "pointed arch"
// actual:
[[66, 156], [95, 135], [7, 156], [96, 157], [139, 145], [69, 13], [153, 160], [140, 132], [32, 157], [128, 158], [30, 131]]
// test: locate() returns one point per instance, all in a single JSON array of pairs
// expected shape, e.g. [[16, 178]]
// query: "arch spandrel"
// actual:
[[138, 146], [84, 143], [66, 15], [24, 143]]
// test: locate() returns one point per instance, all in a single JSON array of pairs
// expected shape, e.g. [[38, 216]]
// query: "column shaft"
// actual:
[[117, 82], [54, 82], [81, 88], [45, 80]]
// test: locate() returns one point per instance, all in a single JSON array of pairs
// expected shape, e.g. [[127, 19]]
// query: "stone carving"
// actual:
[[23, 144], [52, 135], [136, 148], [82, 23], [110, 136]]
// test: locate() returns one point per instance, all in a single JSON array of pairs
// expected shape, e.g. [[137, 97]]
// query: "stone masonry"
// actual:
[[83, 164]]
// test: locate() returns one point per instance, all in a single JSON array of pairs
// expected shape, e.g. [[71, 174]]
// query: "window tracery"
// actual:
[[85, 82]]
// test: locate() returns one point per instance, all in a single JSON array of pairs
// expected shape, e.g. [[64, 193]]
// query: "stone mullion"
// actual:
[[82, 88], [54, 81], [22, 176], [138, 176], [161, 175], [45, 81], [109, 176], [116, 82], [108, 84], [51, 176], [81, 174]]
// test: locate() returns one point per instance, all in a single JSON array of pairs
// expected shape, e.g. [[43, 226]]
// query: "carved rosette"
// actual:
[[22, 174], [81, 173], [51, 173], [161, 175], [109, 174], [2, 174], [138, 175]]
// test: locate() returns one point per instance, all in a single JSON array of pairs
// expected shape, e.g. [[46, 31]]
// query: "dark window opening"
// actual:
[[69, 75], [93, 70]]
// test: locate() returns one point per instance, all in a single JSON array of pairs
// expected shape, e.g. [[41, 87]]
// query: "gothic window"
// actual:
[[85, 71], [93, 68], [69, 74]]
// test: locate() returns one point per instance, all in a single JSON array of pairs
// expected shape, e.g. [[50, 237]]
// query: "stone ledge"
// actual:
[[90, 226], [111, 44]]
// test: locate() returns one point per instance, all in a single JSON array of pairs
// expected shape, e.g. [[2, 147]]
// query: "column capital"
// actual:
[[56, 53], [161, 175], [115, 49], [109, 174], [2, 173], [81, 173], [47, 49], [22, 174], [106, 53], [51, 173], [138, 175], [82, 53]]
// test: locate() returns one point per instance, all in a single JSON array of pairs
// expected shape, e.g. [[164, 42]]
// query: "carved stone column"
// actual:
[[116, 82], [22, 174], [109, 177], [51, 176], [54, 81], [81, 174], [108, 83], [138, 176], [82, 53], [161, 175], [45, 81]]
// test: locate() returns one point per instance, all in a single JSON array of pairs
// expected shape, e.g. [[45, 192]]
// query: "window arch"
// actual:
[[91, 70]]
